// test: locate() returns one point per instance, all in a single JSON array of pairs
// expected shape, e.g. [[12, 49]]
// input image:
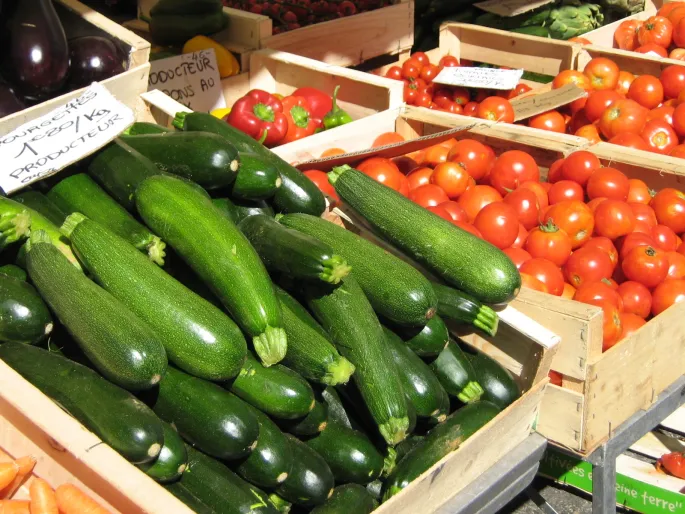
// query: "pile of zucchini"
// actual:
[[180, 295]]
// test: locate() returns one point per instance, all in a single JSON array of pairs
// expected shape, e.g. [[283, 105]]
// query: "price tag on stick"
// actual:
[[533, 104], [48, 144], [485, 78]]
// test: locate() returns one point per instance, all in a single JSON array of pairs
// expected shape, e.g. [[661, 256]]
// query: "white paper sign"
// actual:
[[510, 8], [190, 79], [46, 145], [486, 78]]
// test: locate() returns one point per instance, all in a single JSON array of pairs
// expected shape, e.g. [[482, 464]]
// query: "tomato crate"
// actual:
[[81, 20], [599, 390]]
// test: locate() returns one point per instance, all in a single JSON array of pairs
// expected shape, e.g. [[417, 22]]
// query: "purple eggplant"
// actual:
[[93, 59], [9, 103]]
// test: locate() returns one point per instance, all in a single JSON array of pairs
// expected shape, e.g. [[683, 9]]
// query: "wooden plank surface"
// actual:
[[561, 416]]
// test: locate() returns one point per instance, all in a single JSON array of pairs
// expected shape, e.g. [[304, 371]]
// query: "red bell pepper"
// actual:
[[301, 121], [260, 115], [319, 102]]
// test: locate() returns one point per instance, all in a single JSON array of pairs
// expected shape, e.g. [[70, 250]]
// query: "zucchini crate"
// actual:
[[600, 390], [32, 424], [81, 20]]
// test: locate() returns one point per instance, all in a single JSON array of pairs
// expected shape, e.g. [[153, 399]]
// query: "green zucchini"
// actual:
[[191, 501], [351, 456], [199, 338], [12, 270], [310, 481], [407, 445], [257, 178], [119, 169], [443, 439], [202, 157], [120, 345], [498, 384], [345, 313], [24, 317], [396, 290], [205, 415], [271, 460], [221, 256], [311, 424], [140, 128], [80, 193], [276, 390], [296, 194], [375, 489], [456, 374], [421, 387], [459, 306], [427, 341], [113, 414], [220, 489], [336, 409], [292, 252], [281, 504], [310, 350], [348, 499], [238, 210], [171, 461], [461, 259], [41, 204], [14, 225]]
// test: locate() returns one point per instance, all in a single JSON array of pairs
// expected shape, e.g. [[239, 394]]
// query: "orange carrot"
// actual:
[[71, 500], [26, 465], [8, 470], [14, 507], [43, 499]]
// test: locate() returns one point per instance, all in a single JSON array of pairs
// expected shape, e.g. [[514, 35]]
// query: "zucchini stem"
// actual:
[[70, 223], [395, 430], [37, 237], [179, 120], [271, 345], [486, 320], [336, 172], [471, 392], [389, 461], [155, 250], [338, 372], [14, 227], [335, 268]]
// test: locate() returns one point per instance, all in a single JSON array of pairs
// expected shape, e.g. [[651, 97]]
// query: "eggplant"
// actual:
[[35, 54], [9, 103], [93, 59]]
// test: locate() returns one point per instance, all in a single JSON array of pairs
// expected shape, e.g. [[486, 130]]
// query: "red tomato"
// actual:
[[473, 156], [587, 265], [513, 93], [653, 50], [590, 133], [498, 224], [530, 282], [678, 53], [440, 211], [461, 96], [676, 265], [448, 61], [411, 69], [574, 218], [518, 256], [623, 116], [593, 293], [571, 77], [555, 377], [657, 30], [428, 195], [625, 79], [630, 323], [644, 213], [633, 240], [659, 136], [592, 204], [525, 203], [629, 140], [647, 91], [625, 35], [664, 238], [667, 8], [642, 226], [321, 180], [521, 237], [608, 183], [429, 72], [636, 298], [548, 242], [419, 177], [540, 192], [578, 120], [638, 192], [423, 99], [678, 151], [663, 113], [669, 206], [546, 272], [382, 170], [551, 121], [602, 73], [666, 294], [511, 169], [565, 190], [494, 108], [579, 166], [646, 265], [599, 101], [387, 138], [611, 325], [482, 94], [420, 57], [477, 197], [606, 245], [395, 73], [468, 228], [554, 172], [569, 291], [435, 155], [678, 121], [471, 109], [452, 178], [673, 80], [455, 210], [613, 219]]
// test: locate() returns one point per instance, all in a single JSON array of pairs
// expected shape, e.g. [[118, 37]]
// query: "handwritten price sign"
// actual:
[[487, 78], [48, 144]]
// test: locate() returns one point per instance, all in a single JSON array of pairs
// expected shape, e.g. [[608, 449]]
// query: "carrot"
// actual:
[[43, 499], [26, 465], [71, 500], [8, 470], [14, 507]]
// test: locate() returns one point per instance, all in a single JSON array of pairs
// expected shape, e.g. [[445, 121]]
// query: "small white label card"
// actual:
[[510, 8], [48, 144], [191, 79], [486, 78]]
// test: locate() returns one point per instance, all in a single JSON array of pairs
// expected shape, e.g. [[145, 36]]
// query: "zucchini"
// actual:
[[443, 439], [120, 345], [459, 306], [119, 169], [351, 456], [310, 481], [498, 384], [238, 210], [396, 290], [456, 374], [310, 350], [24, 317], [312, 424], [191, 501], [140, 128], [257, 178], [421, 387], [291, 252], [375, 489], [407, 445], [199, 338], [171, 461], [461, 259], [296, 194], [202, 157], [281, 504], [208, 417], [113, 414], [14, 271], [276, 390], [427, 341], [271, 460], [345, 313], [80, 193], [41, 204], [336, 409], [15, 224], [348, 499], [221, 256]]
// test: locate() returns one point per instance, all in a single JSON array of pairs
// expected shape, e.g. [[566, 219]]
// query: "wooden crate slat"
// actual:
[[561, 416]]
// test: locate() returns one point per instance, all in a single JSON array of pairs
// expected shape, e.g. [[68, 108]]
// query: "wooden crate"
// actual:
[[600, 390]]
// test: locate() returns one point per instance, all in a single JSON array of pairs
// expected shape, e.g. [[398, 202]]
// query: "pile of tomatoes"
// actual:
[[662, 35], [588, 233]]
